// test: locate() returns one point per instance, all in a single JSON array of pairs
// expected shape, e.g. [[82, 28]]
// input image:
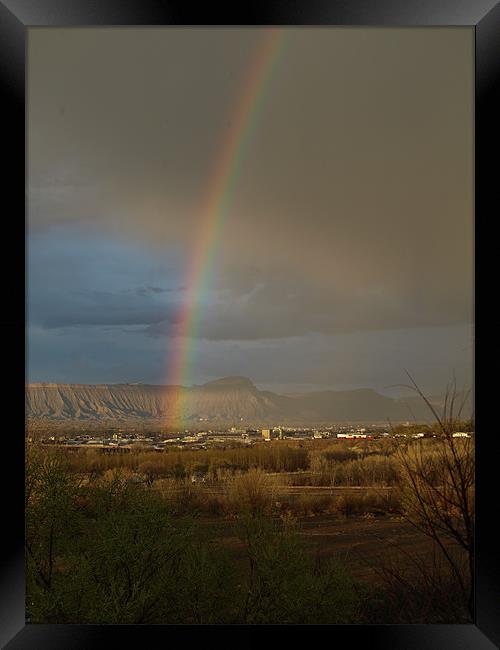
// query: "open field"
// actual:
[[315, 532], [360, 543]]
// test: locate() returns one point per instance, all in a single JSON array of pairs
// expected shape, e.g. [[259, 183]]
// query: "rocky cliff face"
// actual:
[[227, 400]]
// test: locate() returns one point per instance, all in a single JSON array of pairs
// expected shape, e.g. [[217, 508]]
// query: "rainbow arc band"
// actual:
[[214, 210]]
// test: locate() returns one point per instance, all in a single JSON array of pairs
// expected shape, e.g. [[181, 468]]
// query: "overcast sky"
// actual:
[[347, 252]]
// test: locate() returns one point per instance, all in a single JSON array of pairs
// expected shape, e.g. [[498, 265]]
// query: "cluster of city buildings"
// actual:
[[124, 440]]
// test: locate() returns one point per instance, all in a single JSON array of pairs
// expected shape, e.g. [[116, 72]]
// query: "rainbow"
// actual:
[[214, 209]]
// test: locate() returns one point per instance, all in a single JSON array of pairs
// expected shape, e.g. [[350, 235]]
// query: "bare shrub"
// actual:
[[310, 504], [419, 589], [252, 492], [437, 491], [350, 503], [184, 499], [151, 471]]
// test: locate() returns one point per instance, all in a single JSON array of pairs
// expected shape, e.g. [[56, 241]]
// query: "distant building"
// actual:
[[266, 434], [351, 436]]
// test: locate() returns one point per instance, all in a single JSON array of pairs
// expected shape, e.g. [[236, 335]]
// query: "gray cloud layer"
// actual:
[[353, 209]]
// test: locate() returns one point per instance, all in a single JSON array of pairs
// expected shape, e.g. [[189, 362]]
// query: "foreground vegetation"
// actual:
[[121, 538], [114, 552]]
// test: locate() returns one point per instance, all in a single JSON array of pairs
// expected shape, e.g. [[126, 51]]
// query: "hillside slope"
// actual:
[[227, 400]]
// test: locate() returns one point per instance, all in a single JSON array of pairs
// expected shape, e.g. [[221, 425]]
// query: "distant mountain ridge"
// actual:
[[226, 400]]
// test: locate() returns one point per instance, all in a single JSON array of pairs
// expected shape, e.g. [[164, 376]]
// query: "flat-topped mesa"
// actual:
[[229, 399], [233, 382]]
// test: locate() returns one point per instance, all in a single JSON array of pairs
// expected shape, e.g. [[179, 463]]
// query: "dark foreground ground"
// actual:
[[363, 544]]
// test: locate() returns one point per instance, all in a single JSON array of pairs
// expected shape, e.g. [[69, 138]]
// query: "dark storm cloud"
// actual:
[[298, 305], [352, 213], [104, 308], [77, 279], [354, 207], [146, 291]]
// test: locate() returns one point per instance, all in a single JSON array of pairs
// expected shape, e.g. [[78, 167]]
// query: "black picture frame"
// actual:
[[16, 16]]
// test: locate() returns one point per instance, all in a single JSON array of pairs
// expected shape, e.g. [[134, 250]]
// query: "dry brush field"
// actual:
[[332, 531]]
